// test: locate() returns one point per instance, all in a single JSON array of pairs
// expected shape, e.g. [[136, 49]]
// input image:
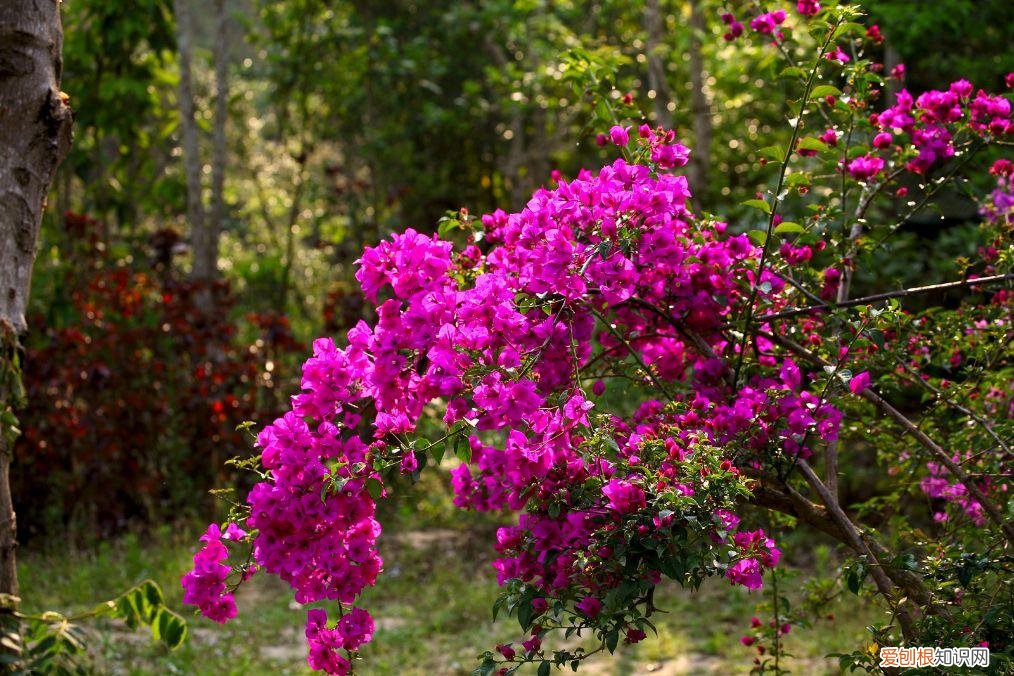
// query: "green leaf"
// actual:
[[497, 605], [487, 667], [374, 487], [810, 143], [773, 153], [525, 613], [856, 151], [848, 27], [855, 576], [447, 225], [612, 638], [544, 668], [123, 610], [965, 574], [797, 179], [758, 237], [439, 450], [169, 628], [144, 609], [792, 72], [786, 227], [463, 449], [152, 593], [758, 204], [908, 562], [820, 91], [47, 644]]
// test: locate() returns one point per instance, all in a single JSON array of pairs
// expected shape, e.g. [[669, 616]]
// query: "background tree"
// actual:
[[35, 133]]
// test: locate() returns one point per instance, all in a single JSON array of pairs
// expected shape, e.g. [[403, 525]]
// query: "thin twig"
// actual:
[[901, 293], [776, 200], [913, 430], [946, 398], [618, 336]]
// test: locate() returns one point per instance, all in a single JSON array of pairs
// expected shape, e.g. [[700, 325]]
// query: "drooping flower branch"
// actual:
[[522, 335]]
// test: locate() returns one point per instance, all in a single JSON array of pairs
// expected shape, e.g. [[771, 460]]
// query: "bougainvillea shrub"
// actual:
[[631, 384], [135, 393]]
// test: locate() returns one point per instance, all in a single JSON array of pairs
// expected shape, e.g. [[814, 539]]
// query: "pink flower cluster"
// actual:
[[353, 629], [768, 22], [735, 27], [759, 551], [610, 267], [808, 7], [929, 121], [999, 207], [205, 586], [937, 486], [865, 167]]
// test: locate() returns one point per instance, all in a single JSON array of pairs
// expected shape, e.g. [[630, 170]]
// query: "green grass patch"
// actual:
[[431, 605], [432, 608]]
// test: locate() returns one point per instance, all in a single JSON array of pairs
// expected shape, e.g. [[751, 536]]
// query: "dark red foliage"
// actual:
[[134, 392]]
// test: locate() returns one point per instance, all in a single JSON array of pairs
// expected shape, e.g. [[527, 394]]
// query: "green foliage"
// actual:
[[53, 643], [118, 71], [349, 120], [419, 632], [969, 39]]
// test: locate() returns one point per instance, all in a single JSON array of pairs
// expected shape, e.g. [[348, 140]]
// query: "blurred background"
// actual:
[[231, 159]]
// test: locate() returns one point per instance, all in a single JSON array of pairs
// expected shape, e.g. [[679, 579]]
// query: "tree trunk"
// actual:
[[700, 158], [219, 157], [199, 235], [35, 133], [512, 163], [657, 81], [891, 59]]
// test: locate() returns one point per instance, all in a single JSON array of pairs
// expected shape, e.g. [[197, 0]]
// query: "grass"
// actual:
[[432, 608]]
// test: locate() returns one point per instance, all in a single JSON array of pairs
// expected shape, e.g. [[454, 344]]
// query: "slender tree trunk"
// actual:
[[219, 157], [891, 59], [200, 239], [290, 231], [35, 134], [700, 158], [654, 29]]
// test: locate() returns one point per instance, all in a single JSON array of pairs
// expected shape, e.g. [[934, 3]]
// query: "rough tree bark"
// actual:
[[35, 134]]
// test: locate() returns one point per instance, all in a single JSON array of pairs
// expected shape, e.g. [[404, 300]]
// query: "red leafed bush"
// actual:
[[134, 392]]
